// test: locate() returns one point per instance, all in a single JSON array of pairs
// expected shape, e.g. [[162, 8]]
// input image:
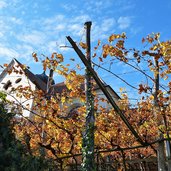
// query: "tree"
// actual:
[[160, 53], [15, 155], [63, 140]]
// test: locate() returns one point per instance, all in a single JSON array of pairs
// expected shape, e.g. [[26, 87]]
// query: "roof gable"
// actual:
[[5, 71], [56, 88], [32, 77], [35, 80]]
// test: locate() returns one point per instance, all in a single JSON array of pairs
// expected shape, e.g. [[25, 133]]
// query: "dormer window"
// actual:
[[18, 80], [7, 85], [74, 112]]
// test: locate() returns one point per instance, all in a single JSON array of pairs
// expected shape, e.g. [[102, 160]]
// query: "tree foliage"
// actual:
[[14, 155], [63, 131]]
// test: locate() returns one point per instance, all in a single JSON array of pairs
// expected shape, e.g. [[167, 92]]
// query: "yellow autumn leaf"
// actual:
[[73, 73], [151, 97], [121, 89], [68, 85], [111, 38], [63, 100], [64, 68], [123, 35], [59, 72], [60, 57], [83, 45]]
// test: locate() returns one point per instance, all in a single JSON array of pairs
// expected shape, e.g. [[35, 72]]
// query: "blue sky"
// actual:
[[41, 26]]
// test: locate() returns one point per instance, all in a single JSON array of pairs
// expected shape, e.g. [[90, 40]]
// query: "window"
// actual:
[[18, 80], [7, 85]]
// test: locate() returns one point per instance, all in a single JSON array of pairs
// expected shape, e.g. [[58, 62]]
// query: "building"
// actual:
[[17, 74]]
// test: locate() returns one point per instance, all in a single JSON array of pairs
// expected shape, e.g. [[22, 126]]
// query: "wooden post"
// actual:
[[49, 83], [161, 148], [88, 135], [104, 90]]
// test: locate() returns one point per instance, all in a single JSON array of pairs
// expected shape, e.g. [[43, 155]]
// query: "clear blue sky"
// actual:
[[41, 25]]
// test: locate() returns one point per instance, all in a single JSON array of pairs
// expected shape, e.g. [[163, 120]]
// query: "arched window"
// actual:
[[7, 85]]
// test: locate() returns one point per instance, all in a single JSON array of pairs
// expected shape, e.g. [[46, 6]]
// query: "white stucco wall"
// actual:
[[99, 95], [105, 104], [12, 95]]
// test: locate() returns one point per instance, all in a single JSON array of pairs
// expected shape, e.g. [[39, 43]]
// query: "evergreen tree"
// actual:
[[13, 154]]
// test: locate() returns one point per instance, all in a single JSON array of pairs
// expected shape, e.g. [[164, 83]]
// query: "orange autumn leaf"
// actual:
[[35, 56]]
